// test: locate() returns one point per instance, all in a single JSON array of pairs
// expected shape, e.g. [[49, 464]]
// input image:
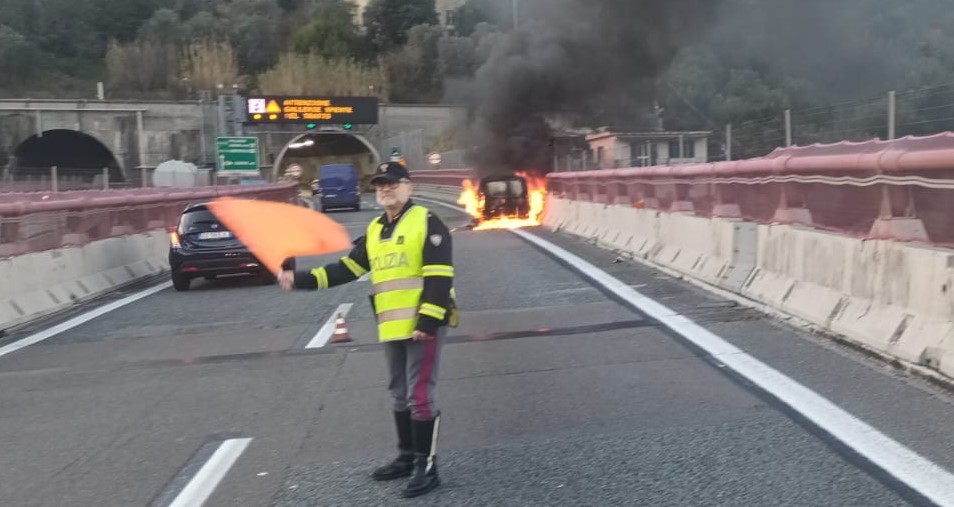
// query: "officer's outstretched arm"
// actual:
[[348, 269]]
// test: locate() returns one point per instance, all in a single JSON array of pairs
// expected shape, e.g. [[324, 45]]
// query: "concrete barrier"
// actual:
[[718, 251], [893, 298], [897, 298], [40, 283], [62, 248]]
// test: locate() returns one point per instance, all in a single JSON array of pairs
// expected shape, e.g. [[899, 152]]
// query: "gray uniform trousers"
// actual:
[[412, 374]]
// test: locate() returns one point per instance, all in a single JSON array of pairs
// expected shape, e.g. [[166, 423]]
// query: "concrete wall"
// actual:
[[187, 130], [37, 284], [171, 130], [896, 299]]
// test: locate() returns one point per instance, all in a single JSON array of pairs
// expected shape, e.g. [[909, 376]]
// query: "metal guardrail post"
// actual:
[[788, 127], [892, 115], [54, 179]]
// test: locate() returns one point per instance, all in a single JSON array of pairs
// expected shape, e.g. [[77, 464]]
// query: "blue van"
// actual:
[[338, 187]]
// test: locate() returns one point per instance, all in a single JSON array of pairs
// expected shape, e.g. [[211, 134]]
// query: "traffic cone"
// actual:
[[341, 331]]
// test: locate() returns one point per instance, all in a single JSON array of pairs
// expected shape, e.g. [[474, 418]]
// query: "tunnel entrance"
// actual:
[[308, 152], [75, 154]]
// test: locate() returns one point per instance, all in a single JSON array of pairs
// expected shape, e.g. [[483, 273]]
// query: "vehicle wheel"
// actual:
[[181, 283]]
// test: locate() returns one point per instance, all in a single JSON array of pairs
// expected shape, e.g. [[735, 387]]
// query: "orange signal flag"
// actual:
[[274, 231]]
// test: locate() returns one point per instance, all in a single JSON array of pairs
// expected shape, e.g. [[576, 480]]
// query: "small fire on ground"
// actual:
[[472, 200]]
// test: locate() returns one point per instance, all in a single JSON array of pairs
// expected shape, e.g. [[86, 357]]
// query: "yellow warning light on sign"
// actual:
[[257, 116], [273, 117], [273, 107]]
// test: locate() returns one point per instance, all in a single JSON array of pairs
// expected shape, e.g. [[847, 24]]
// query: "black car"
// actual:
[[201, 246], [504, 196]]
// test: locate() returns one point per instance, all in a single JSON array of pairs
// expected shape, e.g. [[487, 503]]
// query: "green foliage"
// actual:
[[19, 58], [330, 32], [468, 16], [413, 70], [388, 22], [760, 57]]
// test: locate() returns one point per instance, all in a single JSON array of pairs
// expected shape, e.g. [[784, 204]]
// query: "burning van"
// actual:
[[505, 202], [504, 196]]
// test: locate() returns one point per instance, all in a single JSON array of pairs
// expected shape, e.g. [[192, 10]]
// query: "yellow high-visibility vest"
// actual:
[[397, 275]]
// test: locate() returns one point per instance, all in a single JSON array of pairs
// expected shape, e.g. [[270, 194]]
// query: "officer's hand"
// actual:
[[286, 280], [421, 336]]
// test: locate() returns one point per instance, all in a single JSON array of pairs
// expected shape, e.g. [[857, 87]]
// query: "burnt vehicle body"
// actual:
[[504, 196]]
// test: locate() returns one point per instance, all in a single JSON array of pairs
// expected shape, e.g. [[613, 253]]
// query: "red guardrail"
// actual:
[[37, 221], [853, 188]]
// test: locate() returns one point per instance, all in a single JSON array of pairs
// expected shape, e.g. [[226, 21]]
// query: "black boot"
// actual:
[[425, 476], [403, 465]]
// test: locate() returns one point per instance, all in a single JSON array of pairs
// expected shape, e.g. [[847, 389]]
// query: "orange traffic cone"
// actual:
[[341, 331]]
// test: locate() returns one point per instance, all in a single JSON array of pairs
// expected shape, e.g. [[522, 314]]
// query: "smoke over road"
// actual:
[[592, 60]]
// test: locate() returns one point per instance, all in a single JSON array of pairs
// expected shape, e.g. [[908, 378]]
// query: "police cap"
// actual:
[[390, 172]]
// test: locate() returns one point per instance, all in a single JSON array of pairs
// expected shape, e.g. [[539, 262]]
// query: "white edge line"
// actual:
[[198, 490], [324, 334], [912, 469], [80, 319]]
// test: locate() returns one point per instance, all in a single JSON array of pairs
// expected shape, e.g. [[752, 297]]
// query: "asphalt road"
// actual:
[[552, 393]]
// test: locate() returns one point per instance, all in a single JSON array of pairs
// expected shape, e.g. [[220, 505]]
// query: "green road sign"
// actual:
[[237, 154]]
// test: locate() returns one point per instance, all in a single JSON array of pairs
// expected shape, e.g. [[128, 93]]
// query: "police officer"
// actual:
[[407, 250]]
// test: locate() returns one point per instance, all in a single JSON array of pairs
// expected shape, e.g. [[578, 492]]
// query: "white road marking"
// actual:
[[198, 490], [912, 469], [324, 334], [917, 472], [80, 319]]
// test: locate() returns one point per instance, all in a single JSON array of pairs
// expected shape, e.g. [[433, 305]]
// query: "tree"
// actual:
[[413, 69], [121, 19], [389, 21], [330, 32], [141, 67], [208, 63], [255, 39], [18, 58], [456, 56], [254, 32], [164, 27], [203, 26], [468, 16], [298, 74], [64, 28]]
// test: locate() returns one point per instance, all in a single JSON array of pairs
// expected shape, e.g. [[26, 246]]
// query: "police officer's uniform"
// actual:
[[412, 277]]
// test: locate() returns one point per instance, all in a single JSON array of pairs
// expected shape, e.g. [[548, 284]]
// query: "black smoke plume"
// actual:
[[592, 61]]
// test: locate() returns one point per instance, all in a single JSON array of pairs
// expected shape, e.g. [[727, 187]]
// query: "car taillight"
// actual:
[[174, 238]]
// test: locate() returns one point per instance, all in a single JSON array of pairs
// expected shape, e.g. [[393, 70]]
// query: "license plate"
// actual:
[[215, 235]]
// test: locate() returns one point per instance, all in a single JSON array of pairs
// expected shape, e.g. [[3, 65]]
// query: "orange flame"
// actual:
[[474, 204]]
